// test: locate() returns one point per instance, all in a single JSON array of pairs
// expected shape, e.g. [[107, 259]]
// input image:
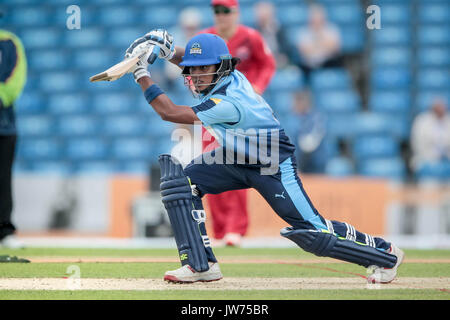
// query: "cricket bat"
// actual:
[[116, 71]]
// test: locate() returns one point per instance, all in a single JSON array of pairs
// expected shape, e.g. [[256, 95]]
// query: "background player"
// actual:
[[227, 102], [13, 71], [229, 209]]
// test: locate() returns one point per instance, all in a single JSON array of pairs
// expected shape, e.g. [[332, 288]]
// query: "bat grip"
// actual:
[[154, 54]]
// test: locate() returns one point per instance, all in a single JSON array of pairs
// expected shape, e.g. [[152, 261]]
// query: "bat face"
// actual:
[[116, 71]]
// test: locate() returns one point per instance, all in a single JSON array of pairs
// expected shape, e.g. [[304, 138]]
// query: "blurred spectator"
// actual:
[[257, 61], [319, 43], [13, 72], [273, 33], [430, 138], [189, 23], [311, 131]]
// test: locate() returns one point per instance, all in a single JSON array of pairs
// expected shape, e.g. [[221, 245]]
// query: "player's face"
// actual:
[[202, 76], [225, 17]]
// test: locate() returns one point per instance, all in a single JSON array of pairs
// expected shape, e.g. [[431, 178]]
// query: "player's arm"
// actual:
[[265, 61], [178, 56], [160, 102], [164, 106], [216, 110]]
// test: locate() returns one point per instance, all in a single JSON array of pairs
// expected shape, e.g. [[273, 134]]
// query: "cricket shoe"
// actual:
[[232, 239], [11, 242], [187, 274], [386, 275]]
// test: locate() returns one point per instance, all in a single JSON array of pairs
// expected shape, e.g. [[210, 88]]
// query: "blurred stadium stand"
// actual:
[[71, 125]]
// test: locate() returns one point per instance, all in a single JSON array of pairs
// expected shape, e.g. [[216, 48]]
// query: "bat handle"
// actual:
[[153, 55]]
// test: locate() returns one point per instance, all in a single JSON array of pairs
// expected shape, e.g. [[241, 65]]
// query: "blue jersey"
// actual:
[[243, 123]]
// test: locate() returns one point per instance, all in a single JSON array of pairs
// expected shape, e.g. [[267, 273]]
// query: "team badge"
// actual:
[[195, 48]]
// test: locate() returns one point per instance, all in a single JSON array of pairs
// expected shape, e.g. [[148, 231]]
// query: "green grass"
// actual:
[[290, 267], [157, 269], [260, 253], [391, 294], [77, 252]]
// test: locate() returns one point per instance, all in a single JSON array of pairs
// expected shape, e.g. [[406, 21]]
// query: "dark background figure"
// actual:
[[310, 134], [430, 142], [274, 33], [13, 71], [318, 44]]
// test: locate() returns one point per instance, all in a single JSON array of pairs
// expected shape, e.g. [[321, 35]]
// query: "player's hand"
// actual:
[[140, 46], [140, 69], [147, 53], [164, 40]]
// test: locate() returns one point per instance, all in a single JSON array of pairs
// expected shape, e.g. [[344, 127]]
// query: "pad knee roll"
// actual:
[[328, 245]]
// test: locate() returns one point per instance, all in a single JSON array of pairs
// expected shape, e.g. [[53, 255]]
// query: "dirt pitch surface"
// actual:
[[224, 284], [355, 281]]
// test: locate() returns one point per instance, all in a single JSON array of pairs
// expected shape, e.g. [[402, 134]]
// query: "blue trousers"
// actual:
[[283, 191]]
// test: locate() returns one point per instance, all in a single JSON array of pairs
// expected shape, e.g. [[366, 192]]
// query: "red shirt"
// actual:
[[257, 62]]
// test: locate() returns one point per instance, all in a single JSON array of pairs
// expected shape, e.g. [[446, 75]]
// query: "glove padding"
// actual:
[[148, 53], [164, 40], [156, 43]]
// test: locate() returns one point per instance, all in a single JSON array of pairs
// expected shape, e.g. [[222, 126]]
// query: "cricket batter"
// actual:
[[232, 111], [229, 209]]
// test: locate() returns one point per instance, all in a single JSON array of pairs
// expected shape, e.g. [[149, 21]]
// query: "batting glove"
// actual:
[[147, 53], [164, 40]]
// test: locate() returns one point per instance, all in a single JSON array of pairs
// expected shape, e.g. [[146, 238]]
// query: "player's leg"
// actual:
[[285, 194], [7, 147], [313, 233], [228, 209], [347, 231], [200, 217], [229, 214], [237, 222], [216, 179], [213, 179], [182, 190], [178, 200], [217, 209]]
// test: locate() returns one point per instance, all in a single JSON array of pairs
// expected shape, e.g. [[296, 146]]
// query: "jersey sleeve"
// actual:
[[265, 61], [13, 68], [215, 110]]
